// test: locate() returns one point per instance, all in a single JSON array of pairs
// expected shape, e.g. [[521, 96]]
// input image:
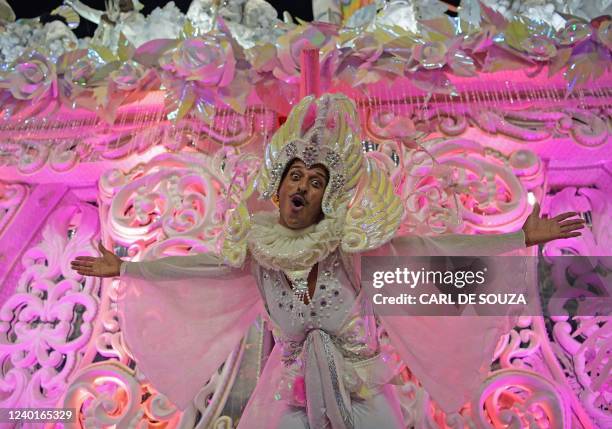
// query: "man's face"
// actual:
[[300, 195]]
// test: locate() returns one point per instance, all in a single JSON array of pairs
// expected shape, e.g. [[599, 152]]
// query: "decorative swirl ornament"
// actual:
[[31, 77], [521, 398]]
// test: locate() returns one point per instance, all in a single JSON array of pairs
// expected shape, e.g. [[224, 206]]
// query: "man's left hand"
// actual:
[[539, 230]]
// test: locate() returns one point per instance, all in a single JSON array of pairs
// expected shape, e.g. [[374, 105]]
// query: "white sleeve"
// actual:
[[205, 265], [458, 244]]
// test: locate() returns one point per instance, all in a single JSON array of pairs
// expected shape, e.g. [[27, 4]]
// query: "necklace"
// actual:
[[294, 252]]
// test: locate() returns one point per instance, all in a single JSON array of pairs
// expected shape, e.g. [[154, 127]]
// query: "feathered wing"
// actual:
[[451, 355], [182, 316], [374, 217]]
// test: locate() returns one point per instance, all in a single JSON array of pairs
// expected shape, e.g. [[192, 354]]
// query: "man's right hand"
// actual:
[[106, 266]]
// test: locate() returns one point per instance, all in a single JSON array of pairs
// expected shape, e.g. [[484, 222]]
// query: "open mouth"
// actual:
[[297, 201]]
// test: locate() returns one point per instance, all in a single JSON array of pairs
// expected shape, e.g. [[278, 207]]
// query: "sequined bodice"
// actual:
[[333, 308], [335, 338]]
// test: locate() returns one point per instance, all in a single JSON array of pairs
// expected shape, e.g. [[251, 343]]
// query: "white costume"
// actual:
[[327, 368]]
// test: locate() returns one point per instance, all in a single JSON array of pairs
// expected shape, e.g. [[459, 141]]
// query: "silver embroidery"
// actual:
[[347, 416]]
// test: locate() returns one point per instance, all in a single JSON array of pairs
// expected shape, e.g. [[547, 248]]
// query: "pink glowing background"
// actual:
[[151, 180]]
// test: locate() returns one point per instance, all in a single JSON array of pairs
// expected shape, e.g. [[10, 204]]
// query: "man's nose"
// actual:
[[302, 185]]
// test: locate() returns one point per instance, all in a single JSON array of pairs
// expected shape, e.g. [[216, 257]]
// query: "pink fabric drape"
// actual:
[[262, 409], [182, 316], [181, 331], [451, 355]]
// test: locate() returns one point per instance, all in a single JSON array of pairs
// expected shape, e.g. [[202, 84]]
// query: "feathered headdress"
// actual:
[[359, 197]]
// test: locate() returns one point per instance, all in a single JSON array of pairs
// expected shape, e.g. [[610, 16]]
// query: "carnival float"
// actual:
[[147, 134]]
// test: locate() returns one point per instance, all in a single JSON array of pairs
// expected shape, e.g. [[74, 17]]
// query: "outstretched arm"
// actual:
[[206, 265], [457, 244], [179, 306], [535, 230], [89, 13]]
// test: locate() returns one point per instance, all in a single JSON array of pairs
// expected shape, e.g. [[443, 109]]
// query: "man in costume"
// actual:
[[299, 268]]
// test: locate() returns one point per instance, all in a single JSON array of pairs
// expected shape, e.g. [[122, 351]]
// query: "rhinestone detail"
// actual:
[[310, 155]]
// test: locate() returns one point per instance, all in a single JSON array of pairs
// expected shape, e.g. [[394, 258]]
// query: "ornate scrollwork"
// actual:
[[46, 324], [450, 185], [106, 394], [518, 398], [12, 196], [582, 343], [62, 146], [587, 127]]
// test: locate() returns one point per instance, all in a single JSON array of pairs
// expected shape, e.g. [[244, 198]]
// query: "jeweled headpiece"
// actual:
[[318, 131], [361, 208]]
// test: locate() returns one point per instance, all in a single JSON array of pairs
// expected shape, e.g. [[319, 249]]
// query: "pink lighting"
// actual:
[[152, 148]]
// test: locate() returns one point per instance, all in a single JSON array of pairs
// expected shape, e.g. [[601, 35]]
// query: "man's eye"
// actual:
[[316, 183], [295, 176]]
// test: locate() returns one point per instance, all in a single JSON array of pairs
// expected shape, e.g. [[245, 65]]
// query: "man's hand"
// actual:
[[538, 230], [106, 266]]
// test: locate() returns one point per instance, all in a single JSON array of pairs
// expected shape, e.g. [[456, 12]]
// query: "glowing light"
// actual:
[[531, 198]]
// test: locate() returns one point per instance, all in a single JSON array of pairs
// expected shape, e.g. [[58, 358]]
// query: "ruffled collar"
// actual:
[[295, 252]]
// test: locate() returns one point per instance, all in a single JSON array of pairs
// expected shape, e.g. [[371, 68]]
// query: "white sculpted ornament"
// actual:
[[6, 12], [402, 13], [18, 37], [250, 21], [124, 17], [550, 11]]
